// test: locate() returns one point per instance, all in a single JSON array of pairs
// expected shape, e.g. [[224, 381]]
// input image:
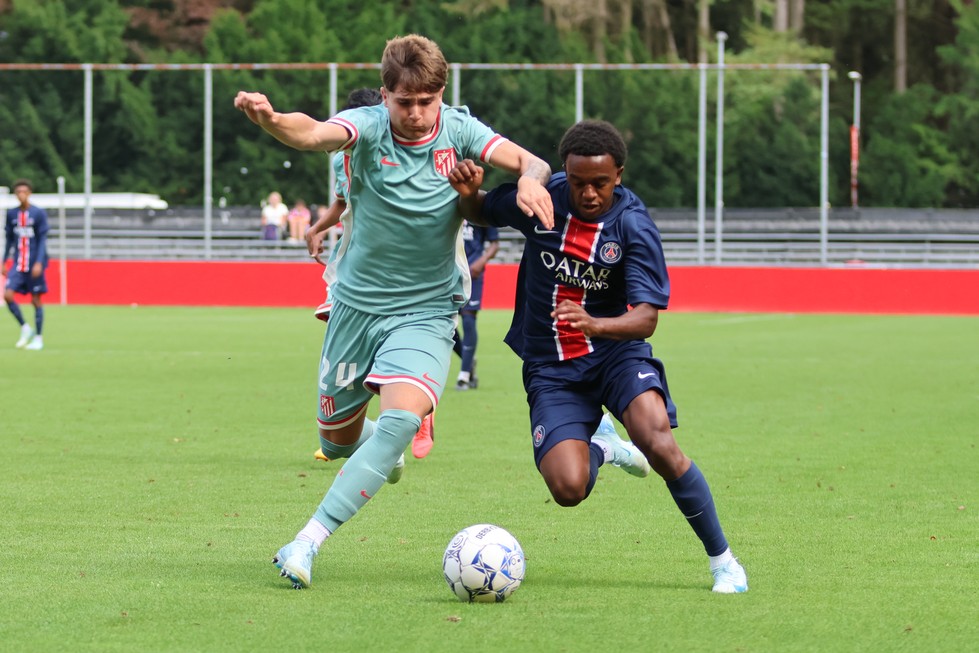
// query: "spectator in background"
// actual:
[[298, 219], [482, 244], [274, 217], [26, 230]]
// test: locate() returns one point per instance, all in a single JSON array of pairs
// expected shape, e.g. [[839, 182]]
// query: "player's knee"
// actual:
[[567, 492]]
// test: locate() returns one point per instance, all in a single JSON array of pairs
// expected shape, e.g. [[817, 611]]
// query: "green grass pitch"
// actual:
[[153, 460]]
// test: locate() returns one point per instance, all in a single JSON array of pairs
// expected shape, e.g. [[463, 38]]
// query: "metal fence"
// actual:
[[710, 235]]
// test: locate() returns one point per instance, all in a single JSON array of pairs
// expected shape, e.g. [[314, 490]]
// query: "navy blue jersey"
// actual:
[[26, 232], [475, 238], [605, 266]]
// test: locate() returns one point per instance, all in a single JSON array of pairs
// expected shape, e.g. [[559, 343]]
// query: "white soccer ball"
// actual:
[[483, 563]]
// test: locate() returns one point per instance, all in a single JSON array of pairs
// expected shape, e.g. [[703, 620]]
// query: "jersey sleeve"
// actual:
[[474, 139], [646, 277], [362, 124], [41, 229], [8, 237], [500, 208], [491, 235]]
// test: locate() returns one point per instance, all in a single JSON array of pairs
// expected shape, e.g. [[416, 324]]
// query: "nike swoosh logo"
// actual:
[[388, 162], [430, 379], [538, 230], [364, 494], [646, 375]]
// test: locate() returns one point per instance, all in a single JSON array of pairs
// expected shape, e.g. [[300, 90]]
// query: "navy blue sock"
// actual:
[[692, 496], [15, 309], [38, 319], [468, 341], [595, 459]]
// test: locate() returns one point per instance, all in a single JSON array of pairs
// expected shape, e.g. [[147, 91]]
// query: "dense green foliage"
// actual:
[[155, 458], [919, 146]]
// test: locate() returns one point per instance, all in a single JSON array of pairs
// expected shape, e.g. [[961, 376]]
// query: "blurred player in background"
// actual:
[[391, 339], [482, 244], [26, 230], [422, 443], [581, 343]]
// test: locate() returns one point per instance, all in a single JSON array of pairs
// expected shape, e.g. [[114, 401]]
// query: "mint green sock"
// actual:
[[367, 468]]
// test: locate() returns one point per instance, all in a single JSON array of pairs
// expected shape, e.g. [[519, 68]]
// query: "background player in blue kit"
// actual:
[[402, 223], [26, 231], [582, 345], [482, 244]]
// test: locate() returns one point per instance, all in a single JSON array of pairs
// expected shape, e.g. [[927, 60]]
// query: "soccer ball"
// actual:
[[483, 563]]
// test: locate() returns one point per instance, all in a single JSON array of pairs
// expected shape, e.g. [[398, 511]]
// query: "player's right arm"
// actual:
[[297, 130]]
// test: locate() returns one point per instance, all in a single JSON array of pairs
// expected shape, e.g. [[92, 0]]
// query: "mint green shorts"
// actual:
[[363, 351]]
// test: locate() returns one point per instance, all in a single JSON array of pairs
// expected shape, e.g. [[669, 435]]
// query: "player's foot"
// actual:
[[425, 438], [26, 335], [322, 311], [473, 379], [398, 471], [36, 344], [295, 562], [462, 385], [730, 578], [625, 455], [319, 455]]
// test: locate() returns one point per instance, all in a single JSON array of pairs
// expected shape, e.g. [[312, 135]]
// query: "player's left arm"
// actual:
[[41, 228], [476, 267], [534, 173], [637, 324]]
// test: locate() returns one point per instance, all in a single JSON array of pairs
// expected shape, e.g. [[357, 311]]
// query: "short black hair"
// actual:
[[593, 138], [23, 182], [363, 97]]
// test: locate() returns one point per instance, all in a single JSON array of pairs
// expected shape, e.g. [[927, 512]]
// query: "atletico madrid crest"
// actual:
[[445, 160], [326, 405]]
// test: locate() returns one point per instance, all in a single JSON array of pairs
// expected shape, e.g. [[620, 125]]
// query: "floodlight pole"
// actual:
[[856, 78]]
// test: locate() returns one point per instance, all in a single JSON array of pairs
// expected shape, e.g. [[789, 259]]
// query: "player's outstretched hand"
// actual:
[[254, 105], [534, 200], [466, 178], [314, 244]]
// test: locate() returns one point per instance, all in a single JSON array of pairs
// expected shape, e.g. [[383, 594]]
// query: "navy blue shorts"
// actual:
[[24, 284], [566, 397]]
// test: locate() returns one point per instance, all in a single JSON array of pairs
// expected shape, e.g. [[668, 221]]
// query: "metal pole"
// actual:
[[702, 168], [87, 225], [855, 138], [62, 242], [579, 92], [824, 170], [208, 154], [456, 85], [719, 170], [333, 112]]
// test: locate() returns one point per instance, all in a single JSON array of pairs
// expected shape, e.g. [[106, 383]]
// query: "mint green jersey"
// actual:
[[401, 250]]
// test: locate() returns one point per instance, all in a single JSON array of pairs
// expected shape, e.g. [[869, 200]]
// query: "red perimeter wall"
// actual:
[[793, 290]]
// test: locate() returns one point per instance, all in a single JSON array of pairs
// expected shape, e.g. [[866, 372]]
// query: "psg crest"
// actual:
[[610, 252]]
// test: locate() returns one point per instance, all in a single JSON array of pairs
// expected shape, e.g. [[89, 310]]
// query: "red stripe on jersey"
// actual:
[[581, 238], [571, 342], [488, 150], [23, 246], [351, 129]]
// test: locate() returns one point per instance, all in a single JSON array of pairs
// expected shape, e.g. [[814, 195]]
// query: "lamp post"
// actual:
[[856, 78]]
